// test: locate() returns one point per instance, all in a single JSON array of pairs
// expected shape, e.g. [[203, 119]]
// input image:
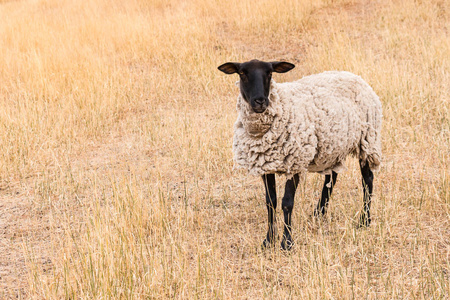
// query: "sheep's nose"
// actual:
[[259, 100]]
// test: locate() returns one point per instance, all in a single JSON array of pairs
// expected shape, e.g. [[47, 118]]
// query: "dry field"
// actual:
[[116, 171]]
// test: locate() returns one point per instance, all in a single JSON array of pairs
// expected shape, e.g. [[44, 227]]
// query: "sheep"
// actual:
[[309, 125]]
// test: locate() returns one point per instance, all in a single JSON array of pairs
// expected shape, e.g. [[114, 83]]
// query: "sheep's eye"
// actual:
[[243, 76]]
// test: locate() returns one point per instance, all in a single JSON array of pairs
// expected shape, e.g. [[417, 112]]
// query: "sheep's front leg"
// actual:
[[288, 205], [367, 183], [271, 203]]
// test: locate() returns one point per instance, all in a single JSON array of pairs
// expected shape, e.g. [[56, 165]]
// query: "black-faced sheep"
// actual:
[[311, 125]]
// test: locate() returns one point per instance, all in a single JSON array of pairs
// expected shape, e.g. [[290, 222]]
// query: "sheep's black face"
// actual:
[[255, 76]]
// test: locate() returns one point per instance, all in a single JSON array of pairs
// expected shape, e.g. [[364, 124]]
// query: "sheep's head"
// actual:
[[255, 76]]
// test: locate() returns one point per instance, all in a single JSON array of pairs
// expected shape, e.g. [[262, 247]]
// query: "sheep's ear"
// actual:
[[281, 66], [229, 67]]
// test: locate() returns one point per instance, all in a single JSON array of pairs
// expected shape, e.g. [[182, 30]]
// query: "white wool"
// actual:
[[312, 125]]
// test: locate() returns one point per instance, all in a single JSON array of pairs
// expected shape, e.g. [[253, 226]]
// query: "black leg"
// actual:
[[330, 181], [367, 183], [288, 205], [271, 203]]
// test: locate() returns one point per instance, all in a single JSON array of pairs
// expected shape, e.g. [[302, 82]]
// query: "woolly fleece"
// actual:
[[312, 125]]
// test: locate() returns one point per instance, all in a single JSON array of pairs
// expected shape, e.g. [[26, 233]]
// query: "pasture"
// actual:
[[116, 169]]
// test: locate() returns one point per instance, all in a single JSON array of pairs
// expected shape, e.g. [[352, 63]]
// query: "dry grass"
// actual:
[[116, 176]]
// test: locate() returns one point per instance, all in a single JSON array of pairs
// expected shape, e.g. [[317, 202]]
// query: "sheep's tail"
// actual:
[[370, 146]]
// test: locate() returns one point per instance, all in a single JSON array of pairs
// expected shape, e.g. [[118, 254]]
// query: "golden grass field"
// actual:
[[116, 170]]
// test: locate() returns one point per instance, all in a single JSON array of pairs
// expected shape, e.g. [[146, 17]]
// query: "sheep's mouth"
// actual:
[[259, 109]]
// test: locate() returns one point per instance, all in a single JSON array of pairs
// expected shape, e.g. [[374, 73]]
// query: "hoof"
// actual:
[[287, 244], [267, 244], [364, 221], [319, 213]]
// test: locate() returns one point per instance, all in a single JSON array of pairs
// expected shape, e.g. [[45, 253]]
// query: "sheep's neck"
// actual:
[[255, 124]]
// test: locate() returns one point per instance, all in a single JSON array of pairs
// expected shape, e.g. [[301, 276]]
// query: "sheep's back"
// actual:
[[337, 110]]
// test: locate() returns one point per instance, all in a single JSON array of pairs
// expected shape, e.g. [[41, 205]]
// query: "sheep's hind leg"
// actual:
[[330, 181], [271, 203], [367, 183], [288, 205]]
